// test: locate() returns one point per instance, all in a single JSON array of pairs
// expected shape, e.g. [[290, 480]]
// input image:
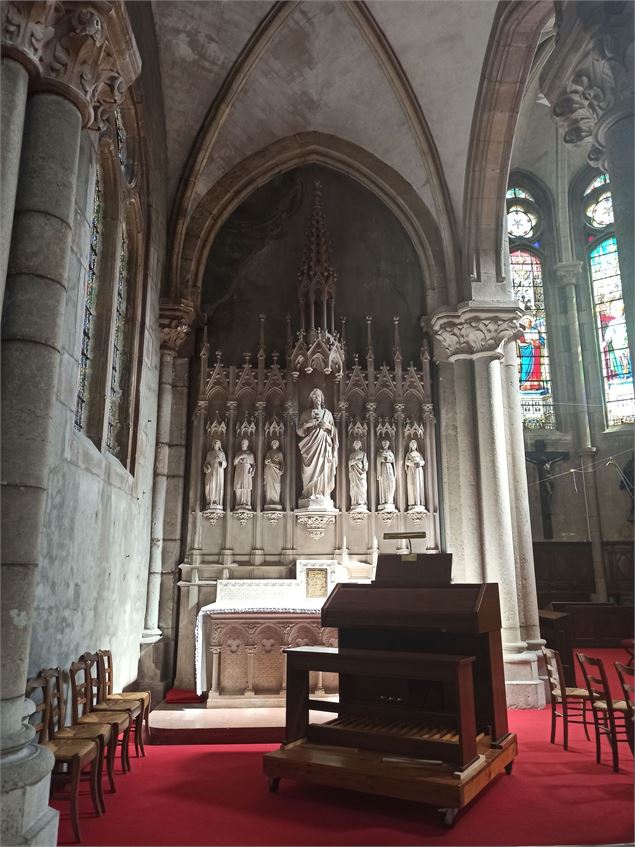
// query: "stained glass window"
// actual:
[[602, 179], [533, 351], [599, 212], [117, 374], [90, 297], [521, 221], [617, 372], [518, 192]]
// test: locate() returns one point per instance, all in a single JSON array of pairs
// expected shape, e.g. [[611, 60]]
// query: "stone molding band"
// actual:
[[85, 52], [474, 330]]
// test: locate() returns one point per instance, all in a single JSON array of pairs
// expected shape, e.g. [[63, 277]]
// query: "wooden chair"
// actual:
[[57, 729], [116, 724], [99, 702], [72, 756], [106, 667], [626, 673], [605, 708], [567, 703]]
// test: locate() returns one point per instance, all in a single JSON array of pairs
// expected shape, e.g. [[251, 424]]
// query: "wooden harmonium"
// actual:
[[439, 624], [405, 704]]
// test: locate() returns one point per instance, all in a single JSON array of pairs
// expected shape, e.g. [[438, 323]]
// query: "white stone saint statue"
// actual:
[[244, 468], [414, 463], [358, 484], [318, 448], [386, 477], [274, 469], [214, 468]]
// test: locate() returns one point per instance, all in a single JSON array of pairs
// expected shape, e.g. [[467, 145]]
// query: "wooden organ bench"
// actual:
[[421, 712]]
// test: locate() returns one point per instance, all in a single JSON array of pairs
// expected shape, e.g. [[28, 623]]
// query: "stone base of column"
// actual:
[[150, 636], [289, 555], [24, 793], [226, 556], [523, 686], [257, 556], [153, 659]]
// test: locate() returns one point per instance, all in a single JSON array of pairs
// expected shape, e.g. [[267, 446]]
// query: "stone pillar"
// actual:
[[477, 334], [431, 495], [570, 275], [227, 552], [26, 28], [342, 474], [173, 333], [288, 550], [258, 553], [589, 81], [371, 407], [523, 543], [67, 97]]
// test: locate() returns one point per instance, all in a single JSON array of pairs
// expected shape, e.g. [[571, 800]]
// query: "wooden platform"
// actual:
[[392, 776]]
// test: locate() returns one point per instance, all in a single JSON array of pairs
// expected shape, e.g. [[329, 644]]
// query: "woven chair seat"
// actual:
[[67, 749]]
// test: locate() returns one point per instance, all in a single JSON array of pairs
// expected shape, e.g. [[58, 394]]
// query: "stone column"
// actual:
[[26, 28], [431, 501], [173, 333], [523, 543], [67, 97], [371, 407], [477, 334], [227, 552], [288, 550], [570, 275], [589, 81], [258, 553], [342, 475]]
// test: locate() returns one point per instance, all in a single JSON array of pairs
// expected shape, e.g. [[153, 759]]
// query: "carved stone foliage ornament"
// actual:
[[589, 77], [243, 516], [316, 525], [212, 515], [26, 27], [473, 331], [85, 52]]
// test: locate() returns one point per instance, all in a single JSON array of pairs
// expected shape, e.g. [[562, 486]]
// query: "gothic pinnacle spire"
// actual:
[[317, 277]]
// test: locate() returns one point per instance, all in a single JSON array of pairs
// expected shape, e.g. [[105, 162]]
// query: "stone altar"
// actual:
[[240, 637]]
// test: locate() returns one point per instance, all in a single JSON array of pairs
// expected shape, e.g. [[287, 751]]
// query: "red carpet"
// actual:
[[217, 795]]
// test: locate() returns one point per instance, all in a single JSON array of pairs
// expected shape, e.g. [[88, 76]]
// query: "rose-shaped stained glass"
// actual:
[[521, 223], [599, 213]]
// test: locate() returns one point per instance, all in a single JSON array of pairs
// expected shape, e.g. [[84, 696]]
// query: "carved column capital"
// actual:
[[26, 28], [588, 79], [175, 322], [474, 330], [569, 273], [83, 51]]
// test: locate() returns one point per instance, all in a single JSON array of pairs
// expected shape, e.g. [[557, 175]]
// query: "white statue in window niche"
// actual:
[[414, 477], [244, 468], [214, 468], [318, 449], [274, 469], [386, 477], [358, 484]]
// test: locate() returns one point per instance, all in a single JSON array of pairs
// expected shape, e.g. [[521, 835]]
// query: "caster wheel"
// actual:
[[449, 816], [274, 783], [509, 768]]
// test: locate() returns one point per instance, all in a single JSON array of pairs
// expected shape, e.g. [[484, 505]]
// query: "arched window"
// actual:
[[608, 303], [90, 306], [524, 227], [112, 316]]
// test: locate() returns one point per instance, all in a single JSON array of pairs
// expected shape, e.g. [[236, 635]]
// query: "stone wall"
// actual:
[[92, 582]]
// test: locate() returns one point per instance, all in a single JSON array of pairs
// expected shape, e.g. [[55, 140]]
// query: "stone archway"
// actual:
[[311, 148]]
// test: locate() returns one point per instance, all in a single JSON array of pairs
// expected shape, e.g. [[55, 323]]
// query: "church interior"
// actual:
[[317, 426]]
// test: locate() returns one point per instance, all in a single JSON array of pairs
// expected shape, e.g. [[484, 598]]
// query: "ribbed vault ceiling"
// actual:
[[319, 71]]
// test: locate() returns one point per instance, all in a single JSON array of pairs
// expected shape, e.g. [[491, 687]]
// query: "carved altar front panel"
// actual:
[[245, 660]]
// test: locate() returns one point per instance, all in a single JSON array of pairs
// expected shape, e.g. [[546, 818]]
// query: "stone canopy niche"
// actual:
[[309, 449]]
